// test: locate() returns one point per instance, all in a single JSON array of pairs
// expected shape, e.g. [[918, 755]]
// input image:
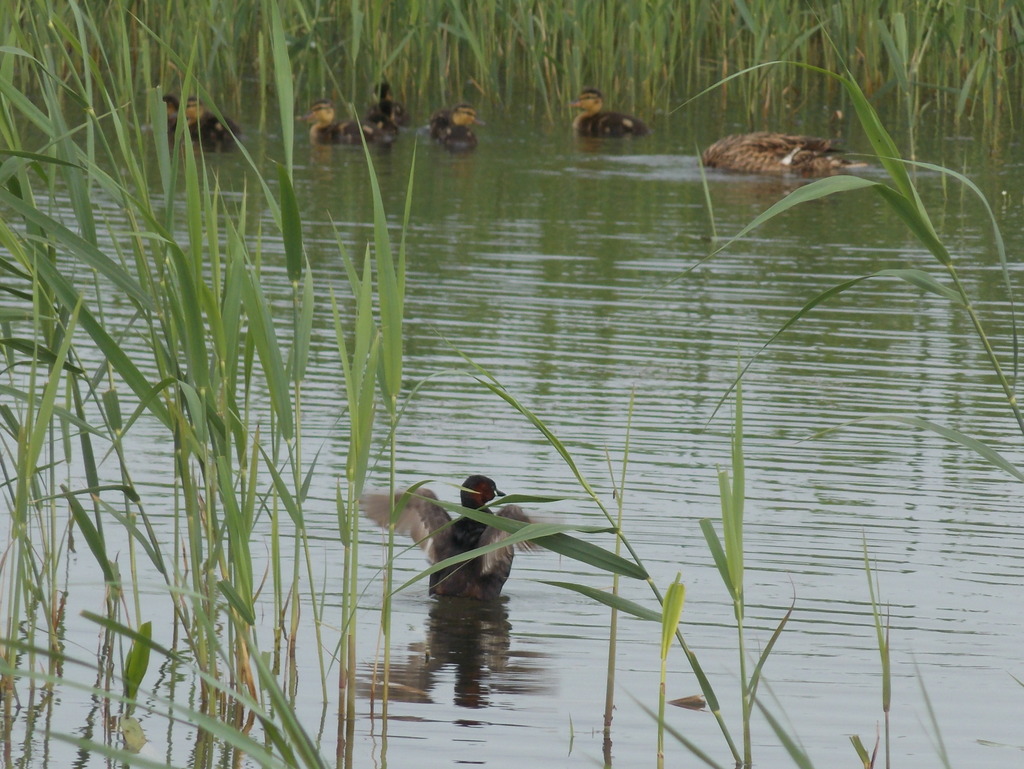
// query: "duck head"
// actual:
[[321, 113], [173, 105], [478, 490], [192, 110], [465, 115], [589, 101]]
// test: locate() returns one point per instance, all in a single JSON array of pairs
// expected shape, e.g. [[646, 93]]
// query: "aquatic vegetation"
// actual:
[[931, 55], [220, 380]]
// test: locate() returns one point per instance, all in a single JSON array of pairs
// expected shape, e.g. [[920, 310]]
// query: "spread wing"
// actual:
[[500, 560], [420, 518]]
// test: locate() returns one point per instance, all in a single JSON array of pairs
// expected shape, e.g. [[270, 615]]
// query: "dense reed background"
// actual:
[[956, 57]]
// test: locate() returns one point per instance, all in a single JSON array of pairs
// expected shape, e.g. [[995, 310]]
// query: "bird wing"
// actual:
[[420, 519], [501, 559]]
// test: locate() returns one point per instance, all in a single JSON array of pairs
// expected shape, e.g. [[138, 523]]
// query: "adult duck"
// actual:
[[325, 129], [765, 152], [452, 127], [592, 121], [432, 529]]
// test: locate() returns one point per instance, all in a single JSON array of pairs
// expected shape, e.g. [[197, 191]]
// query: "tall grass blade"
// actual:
[[540, 534], [611, 600], [718, 555], [283, 84], [137, 662], [291, 226], [264, 337], [93, 538], [956, 436], [755, 676]]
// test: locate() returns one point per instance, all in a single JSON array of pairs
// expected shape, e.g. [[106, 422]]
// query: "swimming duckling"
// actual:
[[208, 129], [384, 116], [451, 127], [593, 122], [431, 527], [775, 153], [173, 105], [326, 130], [387, 105]]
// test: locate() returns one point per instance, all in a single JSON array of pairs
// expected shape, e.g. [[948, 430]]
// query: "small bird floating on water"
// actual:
[[432, 529], [451, 127], [325, 129], [204, 128], [593, 122], [386, 105], [764, 152]]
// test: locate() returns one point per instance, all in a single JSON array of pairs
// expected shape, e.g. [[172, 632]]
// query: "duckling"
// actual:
[[326, 130], [451, 127], [383, 116], [173, 105], [208, 129], [593, 122], [775, 153], [431, 527], [387, 105]]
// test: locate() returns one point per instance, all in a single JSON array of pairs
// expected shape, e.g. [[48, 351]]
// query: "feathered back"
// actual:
[[764, 152]]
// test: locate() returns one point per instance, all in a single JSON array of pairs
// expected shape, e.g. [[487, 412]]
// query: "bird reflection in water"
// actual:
[[469, 639]]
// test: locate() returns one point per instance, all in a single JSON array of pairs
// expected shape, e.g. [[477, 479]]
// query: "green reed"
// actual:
[[933, 55], [882, 638], [203, 340]]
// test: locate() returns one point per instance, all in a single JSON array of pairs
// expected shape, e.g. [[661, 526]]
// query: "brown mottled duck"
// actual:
[[775, 153]]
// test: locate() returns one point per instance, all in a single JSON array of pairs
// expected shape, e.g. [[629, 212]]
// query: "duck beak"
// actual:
[[575, 104], [499, 493], [478, 121]]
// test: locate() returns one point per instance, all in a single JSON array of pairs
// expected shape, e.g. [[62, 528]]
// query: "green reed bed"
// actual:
[[221, 382], [930, 54]]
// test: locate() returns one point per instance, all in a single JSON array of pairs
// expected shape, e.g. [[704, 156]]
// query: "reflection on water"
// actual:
[[466, 645]]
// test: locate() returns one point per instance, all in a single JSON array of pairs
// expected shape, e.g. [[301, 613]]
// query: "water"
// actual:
[[572, 273]]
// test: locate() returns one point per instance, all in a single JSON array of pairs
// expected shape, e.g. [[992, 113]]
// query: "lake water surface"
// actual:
[[571, 272]]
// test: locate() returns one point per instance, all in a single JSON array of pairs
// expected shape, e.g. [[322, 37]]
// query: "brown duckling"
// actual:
[[209, 130], [451, 127], [593, 122], [173, 106], [431, 528], [382, 117], [386, 105], [775, 153], [326, 130]]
